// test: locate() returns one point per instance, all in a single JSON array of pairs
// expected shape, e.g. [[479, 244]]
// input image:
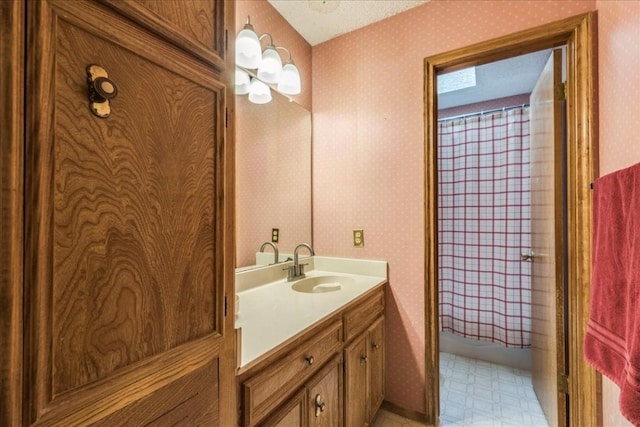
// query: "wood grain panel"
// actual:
[[133, 258], [194, 25], [189, 400], [195, 17]]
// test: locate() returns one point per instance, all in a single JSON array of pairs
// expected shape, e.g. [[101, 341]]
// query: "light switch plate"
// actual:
[[358, 238]]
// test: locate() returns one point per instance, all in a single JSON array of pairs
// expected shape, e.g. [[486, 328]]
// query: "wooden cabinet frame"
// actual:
[[13, 45]]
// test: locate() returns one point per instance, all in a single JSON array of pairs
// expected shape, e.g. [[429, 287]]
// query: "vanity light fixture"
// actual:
[[254, 66], [289, 83], [242, 82], [259, 92], [248, 50], [270, 67]]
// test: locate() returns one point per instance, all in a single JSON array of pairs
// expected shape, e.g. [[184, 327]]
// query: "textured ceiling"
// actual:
[[320, 20]]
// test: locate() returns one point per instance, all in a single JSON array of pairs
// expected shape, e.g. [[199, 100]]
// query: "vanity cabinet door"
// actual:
[[324, 394], [376, 366], [364, 373], [317, 404], [356, 398], [291, 414]]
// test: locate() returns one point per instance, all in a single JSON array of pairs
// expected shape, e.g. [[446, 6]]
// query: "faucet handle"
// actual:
[[301, 269], [290, 272]]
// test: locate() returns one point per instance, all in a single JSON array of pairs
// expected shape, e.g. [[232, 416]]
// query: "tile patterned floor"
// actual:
[[477, 393]]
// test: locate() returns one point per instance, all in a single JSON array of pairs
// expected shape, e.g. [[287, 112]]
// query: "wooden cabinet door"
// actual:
[[376, 366], [324, 394], [291, 414], [124, 282], [356, 398]]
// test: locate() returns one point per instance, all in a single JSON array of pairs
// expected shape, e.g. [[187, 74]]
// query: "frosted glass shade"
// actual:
[[271, 66], [242, 82], [289, 83], [248, 50], [259, 93]]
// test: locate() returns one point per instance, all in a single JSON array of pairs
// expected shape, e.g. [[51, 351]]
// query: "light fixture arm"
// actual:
[[270, 39], [248, 25], [286, 50]]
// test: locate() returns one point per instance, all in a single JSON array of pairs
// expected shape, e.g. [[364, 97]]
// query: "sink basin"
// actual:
[[321, 284]]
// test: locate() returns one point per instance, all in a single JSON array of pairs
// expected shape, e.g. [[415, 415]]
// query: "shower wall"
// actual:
[[484, 215]]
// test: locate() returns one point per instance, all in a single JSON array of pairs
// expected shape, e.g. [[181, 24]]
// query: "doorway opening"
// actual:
[[581, 385], [494, 313]]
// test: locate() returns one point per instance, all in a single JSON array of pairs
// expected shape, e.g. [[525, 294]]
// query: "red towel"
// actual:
[[612, 342]]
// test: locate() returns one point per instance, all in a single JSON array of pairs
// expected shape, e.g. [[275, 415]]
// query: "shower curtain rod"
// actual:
[[483, 112]]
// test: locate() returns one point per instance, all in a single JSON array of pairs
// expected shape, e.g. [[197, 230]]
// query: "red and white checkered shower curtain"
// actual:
[[483, 226]]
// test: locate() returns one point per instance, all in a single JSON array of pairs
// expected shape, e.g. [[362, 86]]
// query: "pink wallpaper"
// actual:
[[619, 104], [368, 151], [265, 19], [273, 176]]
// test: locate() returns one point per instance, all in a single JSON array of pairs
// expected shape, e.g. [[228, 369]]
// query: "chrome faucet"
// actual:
[[275, 250], [296, 271]]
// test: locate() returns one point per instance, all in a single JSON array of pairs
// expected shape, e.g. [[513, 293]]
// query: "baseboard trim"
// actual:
[[407, 413]]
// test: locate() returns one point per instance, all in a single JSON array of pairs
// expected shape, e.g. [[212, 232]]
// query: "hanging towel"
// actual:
[[612, 342]]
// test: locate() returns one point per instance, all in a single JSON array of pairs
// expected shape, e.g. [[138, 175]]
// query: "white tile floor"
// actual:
[[477, 393]]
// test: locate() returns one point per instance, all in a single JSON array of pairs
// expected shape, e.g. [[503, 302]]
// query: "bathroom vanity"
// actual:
[[311, 352]]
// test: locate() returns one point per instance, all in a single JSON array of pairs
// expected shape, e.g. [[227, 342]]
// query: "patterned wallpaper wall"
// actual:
[[273, 176], [619, 104], [368, 151]]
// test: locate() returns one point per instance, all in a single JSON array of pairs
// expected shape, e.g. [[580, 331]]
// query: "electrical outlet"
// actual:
[[358, 238], [275, 235]]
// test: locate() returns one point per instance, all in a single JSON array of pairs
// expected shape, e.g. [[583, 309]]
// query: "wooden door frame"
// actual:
[[579, 35]]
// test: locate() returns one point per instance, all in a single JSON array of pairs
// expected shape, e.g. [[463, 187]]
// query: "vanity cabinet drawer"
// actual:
[[263, 392], [362, 316]]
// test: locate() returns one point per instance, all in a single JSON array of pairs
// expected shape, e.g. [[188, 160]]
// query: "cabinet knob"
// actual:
[[375, 346], [310, 360], [364, 359], [320, 405], [101, 90]]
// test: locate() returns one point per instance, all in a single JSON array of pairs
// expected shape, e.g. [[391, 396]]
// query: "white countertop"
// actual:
[[272, 313]]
